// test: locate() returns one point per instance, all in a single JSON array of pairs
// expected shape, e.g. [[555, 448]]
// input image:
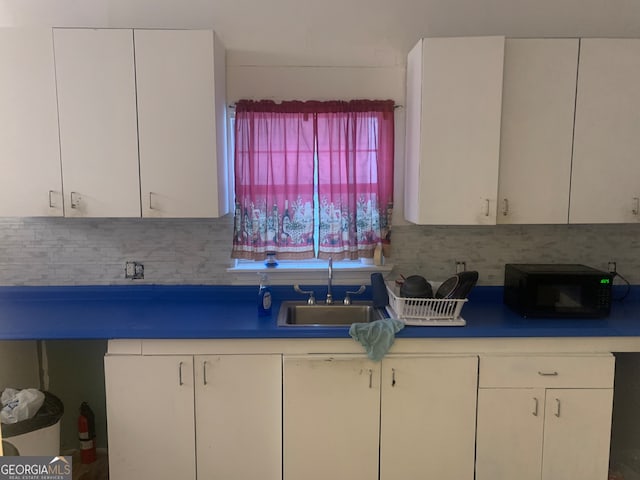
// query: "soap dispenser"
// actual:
[[264, 296]]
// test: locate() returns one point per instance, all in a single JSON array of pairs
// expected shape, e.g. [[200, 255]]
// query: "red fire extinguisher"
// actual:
[[87, 434]]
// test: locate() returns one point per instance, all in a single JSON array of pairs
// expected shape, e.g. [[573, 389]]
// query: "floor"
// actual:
[[98, 470]]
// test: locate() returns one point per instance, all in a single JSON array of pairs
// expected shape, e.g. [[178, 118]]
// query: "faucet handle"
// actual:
[[347, 298], [312, 298]]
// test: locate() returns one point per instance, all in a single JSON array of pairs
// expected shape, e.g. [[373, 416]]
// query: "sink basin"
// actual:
[[300, 314]]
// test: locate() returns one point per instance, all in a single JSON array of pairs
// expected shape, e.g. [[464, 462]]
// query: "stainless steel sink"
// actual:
[[300, 314]]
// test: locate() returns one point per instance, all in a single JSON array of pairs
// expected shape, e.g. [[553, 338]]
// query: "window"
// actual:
[[312, 179]]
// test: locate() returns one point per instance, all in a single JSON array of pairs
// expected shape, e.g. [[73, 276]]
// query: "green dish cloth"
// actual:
[[377, 336]]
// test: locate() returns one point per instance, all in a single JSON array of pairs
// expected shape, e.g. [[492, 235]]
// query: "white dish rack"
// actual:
[[426, 311]]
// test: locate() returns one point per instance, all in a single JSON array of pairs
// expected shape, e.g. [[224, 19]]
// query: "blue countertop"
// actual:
[[219, 312]]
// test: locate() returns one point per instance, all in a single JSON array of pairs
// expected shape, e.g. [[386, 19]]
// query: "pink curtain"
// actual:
[[275, 146], [355, 177], [274, 162]]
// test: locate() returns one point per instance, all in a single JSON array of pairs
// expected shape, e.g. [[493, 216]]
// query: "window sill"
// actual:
[[347, 273]]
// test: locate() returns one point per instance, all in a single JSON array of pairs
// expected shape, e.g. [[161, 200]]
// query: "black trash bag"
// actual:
[[49, 414]]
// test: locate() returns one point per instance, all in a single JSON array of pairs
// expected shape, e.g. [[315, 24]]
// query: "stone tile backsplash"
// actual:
[[65, 251], [59, 251], [433, 250]]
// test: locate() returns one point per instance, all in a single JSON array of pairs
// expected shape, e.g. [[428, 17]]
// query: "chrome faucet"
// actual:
[[329, 300]]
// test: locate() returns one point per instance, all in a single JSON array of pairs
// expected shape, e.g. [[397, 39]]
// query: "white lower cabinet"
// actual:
[[331, 411], [150, 417], [544, 418], [239, 417], [213, 416], [303, 416], [407, 417]]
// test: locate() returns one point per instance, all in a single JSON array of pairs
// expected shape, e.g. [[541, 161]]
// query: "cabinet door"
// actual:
[[331, 418], [451, 175], [577, 434], [428, 415], [538, 105], [239, 416], [181, 111], [98, 125], [510, 432], [150, 417], [31, 182], [606, 167]]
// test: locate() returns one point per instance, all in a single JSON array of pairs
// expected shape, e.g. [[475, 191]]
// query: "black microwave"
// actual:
[[557, 290]]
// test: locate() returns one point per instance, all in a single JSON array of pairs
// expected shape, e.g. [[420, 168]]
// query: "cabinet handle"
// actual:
[[51, 205], [180, 373], [557, 414], [487, 208], [505, 207], [370, 378], [393, 377], [535, 407], [548, 374], [75, 202], [204, 372], [151, 201], [636, 206]]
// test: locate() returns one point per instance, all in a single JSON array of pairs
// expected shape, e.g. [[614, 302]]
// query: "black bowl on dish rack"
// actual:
[[416, 286]]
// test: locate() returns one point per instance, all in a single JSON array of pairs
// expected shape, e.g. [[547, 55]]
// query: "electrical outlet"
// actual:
[[461, 266], [134, 270], [612, 267]]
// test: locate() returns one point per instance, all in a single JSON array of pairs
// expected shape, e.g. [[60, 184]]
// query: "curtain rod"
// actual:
[[233, 105]]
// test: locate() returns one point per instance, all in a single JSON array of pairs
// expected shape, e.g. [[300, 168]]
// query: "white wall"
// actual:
[[336, 32], [315, 82]]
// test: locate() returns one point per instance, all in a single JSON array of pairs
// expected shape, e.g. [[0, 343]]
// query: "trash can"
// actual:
[[40, 435]]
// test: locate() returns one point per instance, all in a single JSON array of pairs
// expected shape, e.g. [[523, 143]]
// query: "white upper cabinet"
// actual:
[[454, 102], [605, 179], [30, 182], [98, 122], [180, 77], [142, 122], [538, 106]]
